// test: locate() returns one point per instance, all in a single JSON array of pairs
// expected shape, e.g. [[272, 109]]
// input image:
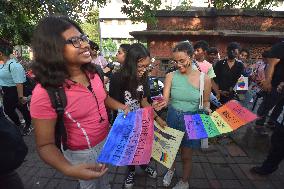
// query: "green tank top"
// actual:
[[184, 96]]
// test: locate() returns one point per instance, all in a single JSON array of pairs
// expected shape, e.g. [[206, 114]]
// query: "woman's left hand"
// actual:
[[161, 122], [208, 110]]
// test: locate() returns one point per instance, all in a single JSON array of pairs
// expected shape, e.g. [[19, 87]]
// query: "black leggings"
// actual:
[[276, 152], [10, 103]]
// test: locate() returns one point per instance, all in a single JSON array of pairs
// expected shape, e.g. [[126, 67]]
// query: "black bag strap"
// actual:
[[9, 66], [100, 72], [59, 101], [197, 66]]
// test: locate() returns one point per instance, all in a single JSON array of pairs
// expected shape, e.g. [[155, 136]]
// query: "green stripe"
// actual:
[[209, 126]]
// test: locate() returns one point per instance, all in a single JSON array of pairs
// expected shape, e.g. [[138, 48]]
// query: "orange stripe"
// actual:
[[232, 120]]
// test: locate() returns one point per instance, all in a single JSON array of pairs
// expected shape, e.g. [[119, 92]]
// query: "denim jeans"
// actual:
[[175, 120], [88, 156]]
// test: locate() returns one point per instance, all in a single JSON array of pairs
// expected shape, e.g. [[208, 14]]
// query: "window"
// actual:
[[165, 65], [108, 22], [121, 22]]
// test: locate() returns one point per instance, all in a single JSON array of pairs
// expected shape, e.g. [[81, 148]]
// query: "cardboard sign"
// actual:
[[166, 144]]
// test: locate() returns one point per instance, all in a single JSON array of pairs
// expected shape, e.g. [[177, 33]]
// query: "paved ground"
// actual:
[[225, 166]]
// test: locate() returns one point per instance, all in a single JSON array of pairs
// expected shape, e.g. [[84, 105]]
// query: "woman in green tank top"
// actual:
[[181, 93]]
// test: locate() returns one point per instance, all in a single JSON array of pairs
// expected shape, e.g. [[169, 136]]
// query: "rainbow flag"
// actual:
[[164, 157], [130, 139], [227, 118]]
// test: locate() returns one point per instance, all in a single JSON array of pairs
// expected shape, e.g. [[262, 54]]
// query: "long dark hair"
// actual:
[[49, 66], [124, 47], [128, 71]]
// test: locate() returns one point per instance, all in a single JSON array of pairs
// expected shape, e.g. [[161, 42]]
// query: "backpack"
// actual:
[[28, 85], [58, 101], [12, 145]]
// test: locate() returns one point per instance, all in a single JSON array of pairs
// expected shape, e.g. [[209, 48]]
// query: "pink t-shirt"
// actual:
[[81, 117], [206, 68]]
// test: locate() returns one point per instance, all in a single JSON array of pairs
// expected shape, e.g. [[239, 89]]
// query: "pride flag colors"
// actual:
[[227, 118], [130, 139]]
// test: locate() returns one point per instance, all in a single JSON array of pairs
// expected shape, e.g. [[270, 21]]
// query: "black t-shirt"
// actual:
[[227, 77], [278, 75], [118, 91]]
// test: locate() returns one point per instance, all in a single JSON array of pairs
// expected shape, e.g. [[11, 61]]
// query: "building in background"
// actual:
[[115, 25], [255, 30]]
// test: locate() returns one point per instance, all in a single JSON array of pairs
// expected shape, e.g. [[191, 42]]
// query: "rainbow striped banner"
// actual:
[[130, 139], [227, 118]]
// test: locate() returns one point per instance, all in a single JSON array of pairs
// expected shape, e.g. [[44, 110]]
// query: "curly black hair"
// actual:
[[49, 65], [201, 44]]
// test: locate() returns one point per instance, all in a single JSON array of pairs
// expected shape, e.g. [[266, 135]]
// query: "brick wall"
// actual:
[[254, 30]]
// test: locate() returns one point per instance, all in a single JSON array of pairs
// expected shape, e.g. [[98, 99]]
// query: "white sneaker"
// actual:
[[151, 172], [181, 185], [168, 178], [129, 181]]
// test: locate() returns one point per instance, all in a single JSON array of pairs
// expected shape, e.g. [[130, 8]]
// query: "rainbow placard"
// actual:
[[227, 118], [166, 144], [242, 84], [130, 139]]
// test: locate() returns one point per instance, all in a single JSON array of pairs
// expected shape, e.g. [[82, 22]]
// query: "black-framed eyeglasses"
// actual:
[[78, 40], [182, 62]]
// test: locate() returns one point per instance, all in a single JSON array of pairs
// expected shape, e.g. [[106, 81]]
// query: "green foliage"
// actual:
[[19, 17], [126, 41], [141, 10], [144, 10], [245, 4], [185, 5], [109, 46], [91, 25]]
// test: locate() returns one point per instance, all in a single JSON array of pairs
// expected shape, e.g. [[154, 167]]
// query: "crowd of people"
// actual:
[[70, 102]]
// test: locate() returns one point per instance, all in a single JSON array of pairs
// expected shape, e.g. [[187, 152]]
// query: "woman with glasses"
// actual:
[[130, 86], [62, 59], [181, 93]]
